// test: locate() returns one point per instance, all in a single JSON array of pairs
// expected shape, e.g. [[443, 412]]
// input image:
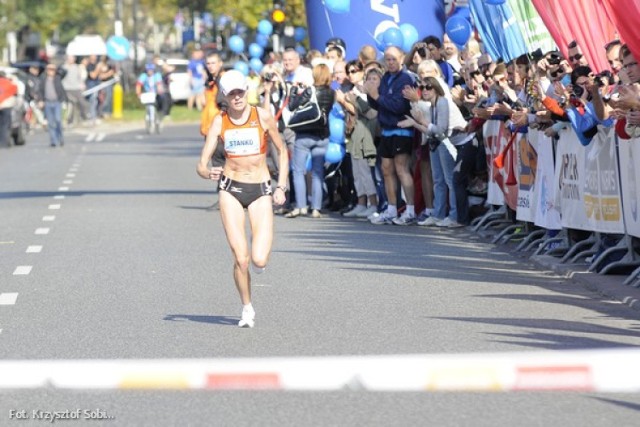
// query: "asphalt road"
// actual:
[[132, 263]]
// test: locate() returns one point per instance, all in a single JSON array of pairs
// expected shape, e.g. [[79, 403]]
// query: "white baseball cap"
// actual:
[[232, 80]]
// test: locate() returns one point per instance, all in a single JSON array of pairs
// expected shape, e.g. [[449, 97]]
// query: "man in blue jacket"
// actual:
[[396, 143]]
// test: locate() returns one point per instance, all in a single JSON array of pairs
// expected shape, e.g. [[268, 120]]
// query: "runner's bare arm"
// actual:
[[211, 142]]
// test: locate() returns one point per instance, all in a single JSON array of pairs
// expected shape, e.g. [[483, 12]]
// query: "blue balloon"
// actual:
[[301, 50], [236, 44], [242, 67], [337, 111], [256, 64], [494, 2], [393, 37], [255, 50], [299, 34], [380, 43], [338, 6], [410, 36], [458, 29], [336, 130], [265, 27], [262, 40], [335, 153]]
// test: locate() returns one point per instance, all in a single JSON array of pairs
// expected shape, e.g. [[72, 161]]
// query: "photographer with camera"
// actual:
[[275, 98]]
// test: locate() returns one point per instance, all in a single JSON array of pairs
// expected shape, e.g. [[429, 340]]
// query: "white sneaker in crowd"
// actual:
[[367, 212], [248, 317], [383, 218], [429, 221], [448, 223], [405, 219], [358, 209]]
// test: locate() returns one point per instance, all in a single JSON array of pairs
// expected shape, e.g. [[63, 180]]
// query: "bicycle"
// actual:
[[152, 117]]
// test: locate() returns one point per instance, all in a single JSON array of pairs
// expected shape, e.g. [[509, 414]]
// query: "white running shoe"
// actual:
[[357, 210], [429, 222], [448, 223], [248, 318], [405, 219], [383, 218], [367, 212]]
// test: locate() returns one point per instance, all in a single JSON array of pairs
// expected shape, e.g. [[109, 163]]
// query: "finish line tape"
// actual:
[[582, 370]]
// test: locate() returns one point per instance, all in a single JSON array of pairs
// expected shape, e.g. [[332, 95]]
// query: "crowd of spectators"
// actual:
[[414, 142]]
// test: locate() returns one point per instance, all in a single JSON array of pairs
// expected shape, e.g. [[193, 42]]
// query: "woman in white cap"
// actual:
[[245, 182]]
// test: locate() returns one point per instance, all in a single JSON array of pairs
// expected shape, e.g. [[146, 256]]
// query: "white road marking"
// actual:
[[71, 175], [54, 207], [49, 218], [63, 188], [58, 197], [100, 136], [34, 249], [8, 298], [22, 270], [90, 137], [42, 230], [67, 181]]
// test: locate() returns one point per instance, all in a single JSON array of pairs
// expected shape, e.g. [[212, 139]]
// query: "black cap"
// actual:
[[336, 41]]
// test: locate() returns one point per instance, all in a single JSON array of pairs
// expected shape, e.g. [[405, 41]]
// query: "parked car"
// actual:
[[179, 86]]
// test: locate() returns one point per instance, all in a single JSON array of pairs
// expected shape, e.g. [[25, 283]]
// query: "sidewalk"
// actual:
[[608, 285]]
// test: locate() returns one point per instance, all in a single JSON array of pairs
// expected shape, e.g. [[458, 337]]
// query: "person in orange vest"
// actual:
[[214, 101], [8, 91]]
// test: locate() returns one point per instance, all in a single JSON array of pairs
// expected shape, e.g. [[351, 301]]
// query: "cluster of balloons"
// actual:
[[336, 148], [236, 44], [402, 36]]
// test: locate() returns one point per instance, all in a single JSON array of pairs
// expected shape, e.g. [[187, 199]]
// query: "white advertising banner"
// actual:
[[494, 142], [570, 181], [527, 160], [629, 153], [602, 197], [547, 214]]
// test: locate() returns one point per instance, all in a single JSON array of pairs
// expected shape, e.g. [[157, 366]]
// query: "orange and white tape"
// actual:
[[584, 370]]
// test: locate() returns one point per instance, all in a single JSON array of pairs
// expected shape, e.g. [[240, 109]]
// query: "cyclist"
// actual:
[[151, 81]]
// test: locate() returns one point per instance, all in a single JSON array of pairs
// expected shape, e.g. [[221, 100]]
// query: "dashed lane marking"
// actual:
[[67, 181], [54, 207], [8, 298], [58, 197], [42, 230], [71, 175], [63, 188], [22, 270], [49, 218], [34, 249]]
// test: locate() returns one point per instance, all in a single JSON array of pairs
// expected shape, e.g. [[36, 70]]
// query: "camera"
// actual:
[[268, 77], [554, 59], [578, 90]]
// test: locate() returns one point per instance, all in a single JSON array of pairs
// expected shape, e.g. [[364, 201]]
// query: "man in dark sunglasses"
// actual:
[[576, 58]]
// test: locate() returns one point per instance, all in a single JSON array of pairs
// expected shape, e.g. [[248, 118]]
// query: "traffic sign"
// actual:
[[117, 48]]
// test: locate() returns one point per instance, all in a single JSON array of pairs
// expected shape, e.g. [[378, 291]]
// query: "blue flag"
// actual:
[[499, 30]]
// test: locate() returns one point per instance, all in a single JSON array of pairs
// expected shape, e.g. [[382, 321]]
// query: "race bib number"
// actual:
[[242, 142]]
